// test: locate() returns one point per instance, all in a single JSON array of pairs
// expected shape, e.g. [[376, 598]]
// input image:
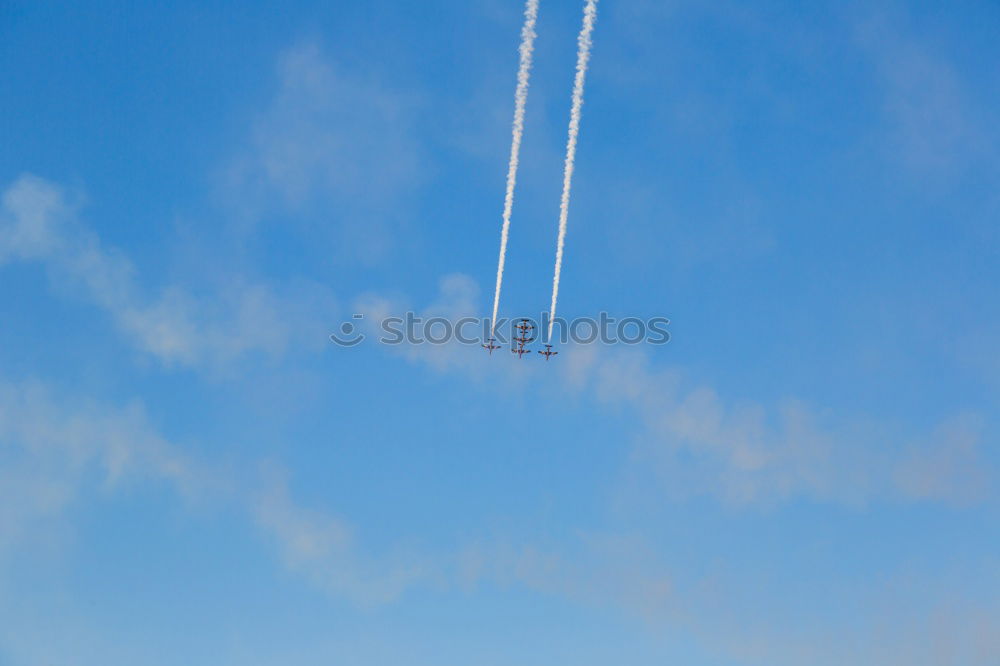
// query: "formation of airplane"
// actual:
[[523, 337]]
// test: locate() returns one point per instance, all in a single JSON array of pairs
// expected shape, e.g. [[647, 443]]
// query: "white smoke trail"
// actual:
[[520, 99], [582, 58]]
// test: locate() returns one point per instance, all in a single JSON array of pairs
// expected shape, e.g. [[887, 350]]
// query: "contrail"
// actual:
[[582, 58], [520, 99]]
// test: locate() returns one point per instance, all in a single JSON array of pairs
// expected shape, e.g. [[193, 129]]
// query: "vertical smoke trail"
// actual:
[[582, 58], [520, 99]]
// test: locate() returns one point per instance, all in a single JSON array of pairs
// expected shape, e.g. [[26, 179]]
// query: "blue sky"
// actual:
[[193, 198]]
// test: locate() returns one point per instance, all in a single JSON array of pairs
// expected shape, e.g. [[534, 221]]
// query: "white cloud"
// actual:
[[322, 548], [936, 123], [54, 446], [949, 466], [887, 618], [48, 451], [697, 442], [334, 150], [38, 223], [747, 453], [604, 570]]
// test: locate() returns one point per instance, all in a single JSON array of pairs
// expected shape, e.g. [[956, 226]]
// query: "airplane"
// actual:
[[524, 328], [489, 346], [548, 353], [521, 340], [520, 351]]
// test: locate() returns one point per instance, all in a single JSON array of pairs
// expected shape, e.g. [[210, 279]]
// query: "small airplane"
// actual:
[[521, 340], [548, 353], [524, 327], [490, 347]]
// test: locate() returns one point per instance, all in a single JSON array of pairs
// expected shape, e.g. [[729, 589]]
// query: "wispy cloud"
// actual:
[[40, 223], [323, 548], [896, 618], [49, 451], [694, 441], [54, 446], [333, 151], [603, 570], [936, 124], [698, 442]]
